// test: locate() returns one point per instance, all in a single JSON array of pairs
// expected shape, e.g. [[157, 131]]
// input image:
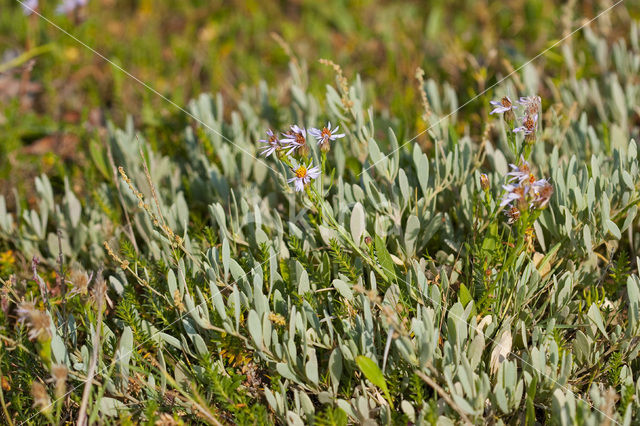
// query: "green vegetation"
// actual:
[[157, 267]]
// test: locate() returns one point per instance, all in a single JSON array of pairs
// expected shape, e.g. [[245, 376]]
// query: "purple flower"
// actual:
[[303, 176], [542, 190], [523, 192], [326, 134], [295, 139], [68, 6], [503, 105], [529, 124], [29, 6], [514, 193], [520, 173], [271, 144]]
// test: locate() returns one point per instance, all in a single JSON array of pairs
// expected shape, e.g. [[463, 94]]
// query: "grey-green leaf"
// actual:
[[358, 222]]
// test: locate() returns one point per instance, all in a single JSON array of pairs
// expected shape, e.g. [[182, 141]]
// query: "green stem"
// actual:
[[624, 209], [26, 56], [320, 202], [4, 408]]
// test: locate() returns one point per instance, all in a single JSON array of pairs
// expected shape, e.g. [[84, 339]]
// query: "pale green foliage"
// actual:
[[332, 321]]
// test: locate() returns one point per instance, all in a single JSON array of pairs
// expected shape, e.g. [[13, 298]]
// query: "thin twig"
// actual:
[[4, 408], [168, 231], [63, 292], [444, 395], [128, 228], [101, 289], [150, 182]]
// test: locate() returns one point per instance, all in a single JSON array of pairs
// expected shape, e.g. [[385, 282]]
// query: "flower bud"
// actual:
[[281, 154], [325, 146], [510, 117], [530, 138], [484, 182], [303, 151]]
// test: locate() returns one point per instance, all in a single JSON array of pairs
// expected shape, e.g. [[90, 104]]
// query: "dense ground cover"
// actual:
[[248, 262]]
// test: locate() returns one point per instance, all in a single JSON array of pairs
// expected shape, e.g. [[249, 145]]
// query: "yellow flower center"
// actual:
[[506, 102], [326, 133], [300, 139], [301, 172]]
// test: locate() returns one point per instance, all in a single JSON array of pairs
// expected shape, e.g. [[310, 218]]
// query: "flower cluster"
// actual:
[[528, 120], [524, 192], [292, 145]]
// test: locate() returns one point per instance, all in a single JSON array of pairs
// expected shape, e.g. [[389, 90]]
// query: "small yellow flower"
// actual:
[[7, 258], [277, 319]]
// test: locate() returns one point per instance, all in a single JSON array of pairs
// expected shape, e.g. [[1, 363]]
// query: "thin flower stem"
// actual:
[[82, 414], [320, 202], [4, 408]]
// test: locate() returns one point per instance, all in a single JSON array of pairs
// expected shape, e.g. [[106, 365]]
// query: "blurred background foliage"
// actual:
[[55, 93], [56, 97]]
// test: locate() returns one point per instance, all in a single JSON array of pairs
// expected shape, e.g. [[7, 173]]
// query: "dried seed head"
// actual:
[[40, 326], [342, 82], [177, 300], [166, 419], [59, 374], [24, 311], [99, 290], [80, 281], [358, 289], [37, 321], [5, 292], [41, 399], [423, 93]]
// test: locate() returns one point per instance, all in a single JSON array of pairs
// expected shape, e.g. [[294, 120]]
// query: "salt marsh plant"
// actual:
[[333, 273]]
